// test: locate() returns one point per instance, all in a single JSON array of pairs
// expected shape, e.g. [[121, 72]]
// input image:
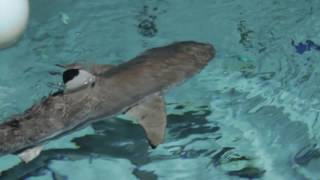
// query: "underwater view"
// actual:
[[251, 113]]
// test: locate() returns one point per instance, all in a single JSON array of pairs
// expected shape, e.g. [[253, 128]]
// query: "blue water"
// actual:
[[252, 113]]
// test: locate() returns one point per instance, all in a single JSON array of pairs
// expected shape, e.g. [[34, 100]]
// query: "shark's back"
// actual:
[[155, 70], [114, 91]]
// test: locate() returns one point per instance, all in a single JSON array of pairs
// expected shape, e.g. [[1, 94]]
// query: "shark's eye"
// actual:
[[77, 78]]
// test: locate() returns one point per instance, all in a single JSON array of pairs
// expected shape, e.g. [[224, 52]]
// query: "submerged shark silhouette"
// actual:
[[134, 88]]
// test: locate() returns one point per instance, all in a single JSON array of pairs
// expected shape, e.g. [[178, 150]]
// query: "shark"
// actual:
[[135, 88]]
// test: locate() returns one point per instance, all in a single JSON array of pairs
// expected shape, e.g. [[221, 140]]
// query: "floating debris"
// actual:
[[245, 34], [65, 18], [301, 47]]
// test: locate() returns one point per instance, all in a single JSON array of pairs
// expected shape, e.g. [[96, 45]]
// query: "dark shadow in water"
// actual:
[[147, 17], [113, 138], [123, 139]]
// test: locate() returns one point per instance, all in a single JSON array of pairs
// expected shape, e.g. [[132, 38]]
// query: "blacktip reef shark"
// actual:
[[97, 91]]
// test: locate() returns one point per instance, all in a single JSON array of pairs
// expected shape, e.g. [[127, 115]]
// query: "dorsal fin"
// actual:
[[75, 79], [151, 115], [79, 76]]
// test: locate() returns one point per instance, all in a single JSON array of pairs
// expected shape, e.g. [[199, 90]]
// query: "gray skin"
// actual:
[[114, 91]]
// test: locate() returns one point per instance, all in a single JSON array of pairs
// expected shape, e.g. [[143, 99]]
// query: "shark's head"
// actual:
[[75, 79]]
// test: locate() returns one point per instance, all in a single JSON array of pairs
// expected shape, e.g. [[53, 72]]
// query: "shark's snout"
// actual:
[[202, 52]]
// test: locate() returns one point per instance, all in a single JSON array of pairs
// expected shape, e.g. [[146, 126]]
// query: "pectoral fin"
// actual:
[[30, 154], [151, 115]]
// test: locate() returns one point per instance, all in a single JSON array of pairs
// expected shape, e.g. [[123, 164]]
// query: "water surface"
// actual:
[[252, 113]]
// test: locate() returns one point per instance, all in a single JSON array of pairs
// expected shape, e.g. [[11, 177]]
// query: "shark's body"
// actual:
[[116, 90]]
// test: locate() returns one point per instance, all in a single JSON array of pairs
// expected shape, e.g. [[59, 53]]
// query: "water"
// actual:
[[253, 113]]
